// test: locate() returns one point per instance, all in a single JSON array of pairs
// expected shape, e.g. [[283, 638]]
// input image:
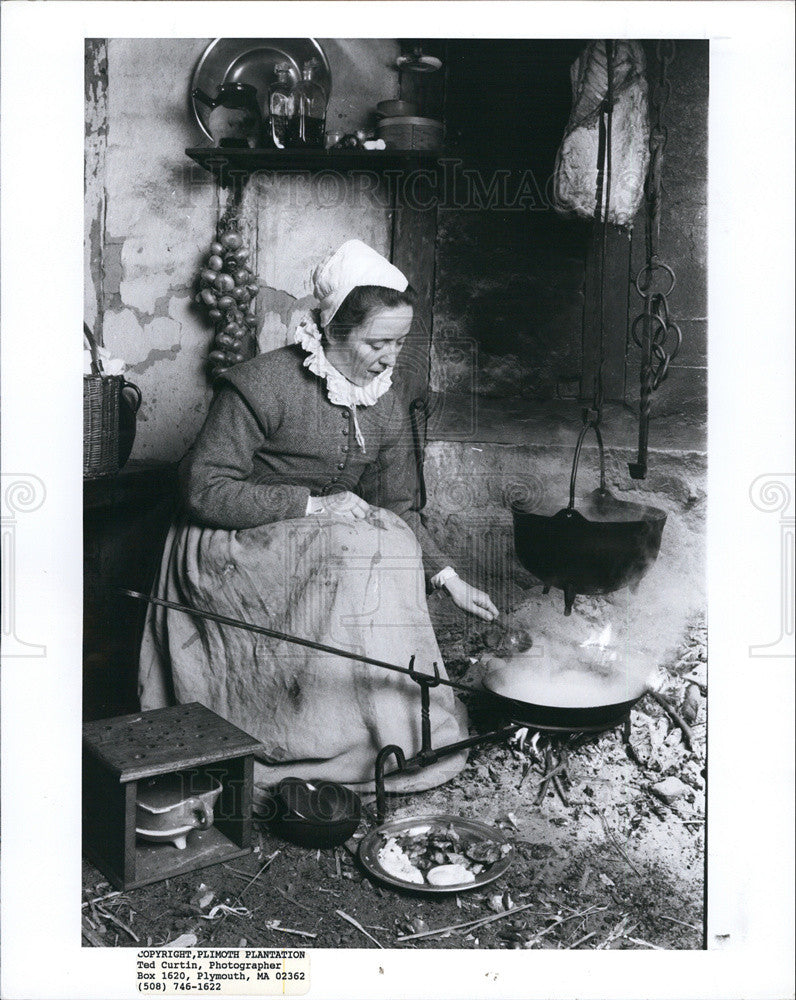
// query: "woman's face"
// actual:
[[373, 345]]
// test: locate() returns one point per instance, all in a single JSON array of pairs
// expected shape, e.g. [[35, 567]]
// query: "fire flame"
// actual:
[[600, 656], [602, 641]]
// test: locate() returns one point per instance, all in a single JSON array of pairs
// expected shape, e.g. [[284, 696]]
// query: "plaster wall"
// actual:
[[150, 215]]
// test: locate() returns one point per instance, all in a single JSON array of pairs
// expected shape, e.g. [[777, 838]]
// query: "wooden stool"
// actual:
[[119, 752]]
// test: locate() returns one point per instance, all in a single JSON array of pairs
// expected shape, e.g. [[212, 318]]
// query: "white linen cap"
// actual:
[[352, 264]]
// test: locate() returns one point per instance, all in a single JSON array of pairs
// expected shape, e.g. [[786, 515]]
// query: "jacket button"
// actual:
[[345, 414], [341, 465], [344, 449], [345, 430]]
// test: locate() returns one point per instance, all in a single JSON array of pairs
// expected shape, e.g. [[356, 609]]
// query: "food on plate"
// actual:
[[415, 831], [450, 875], [485, 852], [393, 860], [439, 855]]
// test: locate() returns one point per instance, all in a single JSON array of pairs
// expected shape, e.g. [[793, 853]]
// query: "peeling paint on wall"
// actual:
[[96, 137], [154, 357], [151, 215]]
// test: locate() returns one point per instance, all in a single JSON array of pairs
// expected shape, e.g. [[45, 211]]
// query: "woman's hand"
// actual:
[[469, 599], [344, 504]]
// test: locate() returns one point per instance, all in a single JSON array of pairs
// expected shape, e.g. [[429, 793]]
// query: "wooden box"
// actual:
[[119, 752]]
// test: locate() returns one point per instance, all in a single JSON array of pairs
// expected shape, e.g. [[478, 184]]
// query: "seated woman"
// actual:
[[300, 514]]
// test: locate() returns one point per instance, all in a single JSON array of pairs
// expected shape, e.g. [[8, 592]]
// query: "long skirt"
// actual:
[[354, 585]]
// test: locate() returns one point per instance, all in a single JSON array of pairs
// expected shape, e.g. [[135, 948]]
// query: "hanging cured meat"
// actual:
[[577, 160]]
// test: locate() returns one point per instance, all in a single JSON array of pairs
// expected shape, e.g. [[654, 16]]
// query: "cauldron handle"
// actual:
[[576, 459]]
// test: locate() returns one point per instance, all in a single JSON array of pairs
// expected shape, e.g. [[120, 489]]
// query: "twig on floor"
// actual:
[[92, 937], [548, 774], [682, 923], [562, 920], [559, 787], [337, 863], [617, 845], [616, 932], [582, 940], [231, 911], [469, 924], [644, 944], [237, 871], [290, 899], [119, 923], [274, 925], [99, 899], [268, 861], [688, 736], [240, 875], [359, 927]]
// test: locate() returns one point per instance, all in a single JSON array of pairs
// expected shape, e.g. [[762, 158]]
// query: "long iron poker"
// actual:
[[416, 675], [286, 637]]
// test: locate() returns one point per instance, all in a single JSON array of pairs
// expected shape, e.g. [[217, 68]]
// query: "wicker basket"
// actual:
[[101, 395]]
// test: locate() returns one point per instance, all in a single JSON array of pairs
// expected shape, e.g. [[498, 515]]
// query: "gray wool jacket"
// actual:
[[272, 439]]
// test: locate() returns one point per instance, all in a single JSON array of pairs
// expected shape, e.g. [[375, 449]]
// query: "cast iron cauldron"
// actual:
[[607, 545]]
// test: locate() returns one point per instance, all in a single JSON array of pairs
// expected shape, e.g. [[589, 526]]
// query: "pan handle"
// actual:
[[576, 459]]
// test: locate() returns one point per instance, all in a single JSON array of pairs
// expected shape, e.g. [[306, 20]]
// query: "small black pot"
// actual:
[[315, 813]]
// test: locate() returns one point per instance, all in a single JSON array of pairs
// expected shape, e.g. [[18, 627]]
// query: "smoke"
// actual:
[[568, 665]]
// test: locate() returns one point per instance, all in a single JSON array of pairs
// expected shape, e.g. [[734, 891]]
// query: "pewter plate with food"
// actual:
[[436, 854]]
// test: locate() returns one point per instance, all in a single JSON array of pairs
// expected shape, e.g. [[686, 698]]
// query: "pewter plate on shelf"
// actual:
[[253, 61]]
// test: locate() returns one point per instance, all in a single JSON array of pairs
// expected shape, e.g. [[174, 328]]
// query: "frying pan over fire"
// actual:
[[549, 717], [562, 718]]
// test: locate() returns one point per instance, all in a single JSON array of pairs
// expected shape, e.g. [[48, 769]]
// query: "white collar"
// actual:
[[339, 390]]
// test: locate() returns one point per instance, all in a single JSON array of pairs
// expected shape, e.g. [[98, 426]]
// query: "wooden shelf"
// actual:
[[228, 163]]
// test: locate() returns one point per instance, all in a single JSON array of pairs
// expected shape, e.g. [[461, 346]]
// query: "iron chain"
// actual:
[[656, 280]]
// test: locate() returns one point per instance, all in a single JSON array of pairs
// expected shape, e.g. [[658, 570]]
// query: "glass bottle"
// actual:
[[311, 100], [283, 108]]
